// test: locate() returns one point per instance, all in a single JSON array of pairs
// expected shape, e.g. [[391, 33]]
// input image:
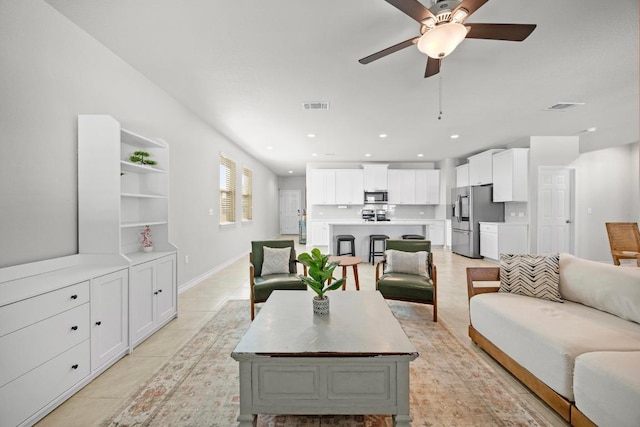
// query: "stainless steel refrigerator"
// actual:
[[471, 205]]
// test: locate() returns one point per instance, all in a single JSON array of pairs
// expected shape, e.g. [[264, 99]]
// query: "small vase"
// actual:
[[147, 248], [321, 306]]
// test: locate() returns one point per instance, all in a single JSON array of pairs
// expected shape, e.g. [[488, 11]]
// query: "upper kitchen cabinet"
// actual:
[[427, 187], [375, 177], [349, 187], [481, 168], [402, 186], [510, 175], [323, 187], [462, 175]]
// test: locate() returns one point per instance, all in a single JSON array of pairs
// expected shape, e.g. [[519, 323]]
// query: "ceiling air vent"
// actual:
[[316, 105], [564, 106]]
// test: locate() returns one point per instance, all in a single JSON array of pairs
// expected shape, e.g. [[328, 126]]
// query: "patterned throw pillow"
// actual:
[[276, 260], [406, 262], [535, 276]]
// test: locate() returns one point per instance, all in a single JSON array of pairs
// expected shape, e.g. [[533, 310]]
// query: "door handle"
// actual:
[[568, 221]]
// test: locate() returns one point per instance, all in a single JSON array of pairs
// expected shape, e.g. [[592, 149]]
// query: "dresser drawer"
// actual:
[[28, 348], [27, 312], [26, 395]]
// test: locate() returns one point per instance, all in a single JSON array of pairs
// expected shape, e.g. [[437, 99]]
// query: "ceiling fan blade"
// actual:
[[412, 8], [470, 5], [509, 32], [433, 67], [389, 50]]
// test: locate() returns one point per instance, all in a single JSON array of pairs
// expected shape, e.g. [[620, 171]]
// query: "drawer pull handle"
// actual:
[[74, 366], [155, 293], [98, 323], [74, 328], [159, 290], [74, 296]]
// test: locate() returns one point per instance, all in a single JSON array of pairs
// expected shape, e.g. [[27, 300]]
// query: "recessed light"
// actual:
[[383, 135], [269, 148], [454, 136], [592, 129], [314, 154], [311, 135], [420, 155], [367, 155], [290, 171]]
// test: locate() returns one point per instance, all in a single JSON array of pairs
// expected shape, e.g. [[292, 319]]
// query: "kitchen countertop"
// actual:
[[391, 222], [504, 223]]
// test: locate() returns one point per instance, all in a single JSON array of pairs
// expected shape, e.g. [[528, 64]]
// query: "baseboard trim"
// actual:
[[191, 283]]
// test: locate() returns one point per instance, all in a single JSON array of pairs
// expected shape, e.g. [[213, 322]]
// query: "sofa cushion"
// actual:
[[606, 287], [530, 275], [406, 262], [276, 261], [607, 387], [545, 337]]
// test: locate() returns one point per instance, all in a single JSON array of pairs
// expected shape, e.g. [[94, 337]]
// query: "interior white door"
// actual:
[[555, 216], [290, 210]]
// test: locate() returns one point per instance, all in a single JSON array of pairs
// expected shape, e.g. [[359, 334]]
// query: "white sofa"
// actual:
[[582, 355]]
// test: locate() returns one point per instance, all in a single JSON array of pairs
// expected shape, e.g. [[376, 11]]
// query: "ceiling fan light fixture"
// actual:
[[460, 15], [442, 40]]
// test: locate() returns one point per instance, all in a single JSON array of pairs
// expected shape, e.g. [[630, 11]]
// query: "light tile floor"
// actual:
[[102, 397]]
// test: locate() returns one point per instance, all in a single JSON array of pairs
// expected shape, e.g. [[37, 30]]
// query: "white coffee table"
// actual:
[[353, 361]]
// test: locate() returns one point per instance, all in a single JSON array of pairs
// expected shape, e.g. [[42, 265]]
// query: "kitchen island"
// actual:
[[432, 230]]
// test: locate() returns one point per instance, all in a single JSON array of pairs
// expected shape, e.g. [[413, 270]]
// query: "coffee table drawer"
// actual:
[[319, 383]]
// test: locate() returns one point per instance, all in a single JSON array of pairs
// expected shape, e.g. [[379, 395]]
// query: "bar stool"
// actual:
[[348, 238], [412, 237], [373, 238]]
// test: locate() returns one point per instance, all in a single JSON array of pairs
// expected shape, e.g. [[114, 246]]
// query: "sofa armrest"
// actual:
[[482, 274]]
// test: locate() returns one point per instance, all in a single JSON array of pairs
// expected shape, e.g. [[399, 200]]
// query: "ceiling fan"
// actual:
[[442, 29]]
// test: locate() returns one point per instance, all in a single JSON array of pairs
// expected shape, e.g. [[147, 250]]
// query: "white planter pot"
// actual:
[[321, 306], [147, 248]]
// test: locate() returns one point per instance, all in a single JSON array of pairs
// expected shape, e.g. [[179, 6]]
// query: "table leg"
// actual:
[[246, 418], [355, 276], [344, 276], [402, 418]]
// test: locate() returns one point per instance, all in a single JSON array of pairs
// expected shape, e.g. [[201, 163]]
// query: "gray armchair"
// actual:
[[405, 286]]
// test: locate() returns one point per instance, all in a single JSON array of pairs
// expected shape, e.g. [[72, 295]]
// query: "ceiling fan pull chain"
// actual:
[[440, 96]]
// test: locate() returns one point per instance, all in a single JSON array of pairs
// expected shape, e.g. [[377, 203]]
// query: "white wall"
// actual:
[[607, 190], [51, 71]]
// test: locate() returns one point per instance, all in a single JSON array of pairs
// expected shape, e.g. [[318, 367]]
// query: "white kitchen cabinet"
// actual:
[[323, 187], [427, 187], [375, 177], [349, 185], [153, 297], [499, 238], [510, 175], [109, 317], [436, 233], [319, 233], [462, 175], [402, 186], [448, 229], [481, 168]]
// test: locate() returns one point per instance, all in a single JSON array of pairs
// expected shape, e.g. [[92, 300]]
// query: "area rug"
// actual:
[[450, 385]]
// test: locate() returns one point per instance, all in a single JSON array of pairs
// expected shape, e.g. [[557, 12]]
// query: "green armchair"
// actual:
[[409, 286], [262, 285]]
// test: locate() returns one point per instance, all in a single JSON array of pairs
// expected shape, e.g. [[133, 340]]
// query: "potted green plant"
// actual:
[[320, 270], [141, 158]]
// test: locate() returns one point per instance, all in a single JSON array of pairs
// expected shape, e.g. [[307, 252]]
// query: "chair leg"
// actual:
[[253, 309]]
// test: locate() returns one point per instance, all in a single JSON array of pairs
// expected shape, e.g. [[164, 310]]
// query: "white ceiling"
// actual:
[[246, 67]]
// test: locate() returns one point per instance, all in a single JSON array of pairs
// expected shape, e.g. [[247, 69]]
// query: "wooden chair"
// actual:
[[624, 239], [410, 287], [262, 285]]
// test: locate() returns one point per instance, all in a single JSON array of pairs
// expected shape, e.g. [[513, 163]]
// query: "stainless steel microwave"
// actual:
[[375, 197]]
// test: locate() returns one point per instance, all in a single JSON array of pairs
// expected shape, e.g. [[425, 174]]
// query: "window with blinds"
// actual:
[[247, 202], [227, 190]]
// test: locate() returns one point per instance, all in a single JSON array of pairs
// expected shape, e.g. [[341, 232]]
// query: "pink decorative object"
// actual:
[[147, 244]]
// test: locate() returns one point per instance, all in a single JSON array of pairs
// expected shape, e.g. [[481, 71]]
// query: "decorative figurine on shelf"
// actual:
[[147, 244], [139, 157]]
